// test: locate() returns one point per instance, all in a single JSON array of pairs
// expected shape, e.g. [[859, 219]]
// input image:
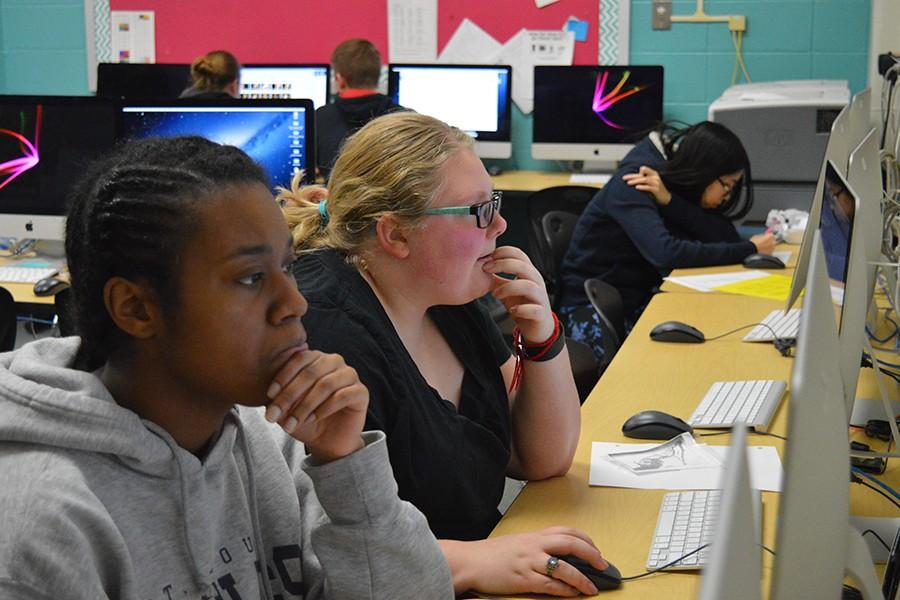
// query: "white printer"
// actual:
[[784, 126]]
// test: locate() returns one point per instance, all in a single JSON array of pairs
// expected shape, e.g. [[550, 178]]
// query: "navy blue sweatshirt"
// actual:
[[626, 239]]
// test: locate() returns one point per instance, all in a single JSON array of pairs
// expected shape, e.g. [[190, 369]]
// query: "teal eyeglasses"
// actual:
[[484, 211]]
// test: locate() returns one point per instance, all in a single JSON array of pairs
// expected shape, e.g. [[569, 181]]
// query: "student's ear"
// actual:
[[391, 235], [341, 82], [132, 307]]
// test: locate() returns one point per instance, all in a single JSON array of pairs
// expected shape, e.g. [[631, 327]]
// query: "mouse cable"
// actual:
[[876, 481], [679, 559], [877, 537], [783, 345], [28, 319], [866, 484], [750, 432]]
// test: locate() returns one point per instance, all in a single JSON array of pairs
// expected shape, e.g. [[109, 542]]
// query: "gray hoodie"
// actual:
[[97, 503]]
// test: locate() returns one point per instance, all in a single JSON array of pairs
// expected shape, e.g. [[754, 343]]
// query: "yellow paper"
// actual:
[[771, 287]]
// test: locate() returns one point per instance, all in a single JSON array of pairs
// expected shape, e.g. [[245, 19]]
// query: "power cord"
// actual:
[[889, 489], [877, 537]]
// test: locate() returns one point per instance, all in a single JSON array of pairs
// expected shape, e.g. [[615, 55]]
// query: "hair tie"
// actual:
[[323, 212]]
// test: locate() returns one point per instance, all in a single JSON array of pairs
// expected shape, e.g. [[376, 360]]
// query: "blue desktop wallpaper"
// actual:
[[265, 135]]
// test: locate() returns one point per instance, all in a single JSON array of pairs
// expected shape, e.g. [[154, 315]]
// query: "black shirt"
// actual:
[[335, 122], [450, 463], [624, 238]]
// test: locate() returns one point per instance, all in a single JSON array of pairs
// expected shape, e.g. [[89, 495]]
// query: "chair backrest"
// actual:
[[7, 321], [607, 302], [556, 231], [566, 198]]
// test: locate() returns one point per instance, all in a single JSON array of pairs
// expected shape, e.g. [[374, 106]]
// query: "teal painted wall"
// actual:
[[42, 47], [785, 39]]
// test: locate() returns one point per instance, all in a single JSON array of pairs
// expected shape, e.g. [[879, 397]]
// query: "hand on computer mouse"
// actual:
[[518, 563], [764, 242]]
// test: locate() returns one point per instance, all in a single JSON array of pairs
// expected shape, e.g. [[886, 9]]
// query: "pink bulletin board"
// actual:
[[308, 30]]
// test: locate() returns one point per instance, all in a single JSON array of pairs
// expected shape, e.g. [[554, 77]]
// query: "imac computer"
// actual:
[[47, 142], [735, 566], [278, 134], [837, 152], [594, 113], [815, 543], [143, 81], [474, 98], [279, 82], [860, 118]]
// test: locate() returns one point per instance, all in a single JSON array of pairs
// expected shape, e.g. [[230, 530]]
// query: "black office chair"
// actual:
[[556, 230], [566, 199], [7, 321], [607, 303]]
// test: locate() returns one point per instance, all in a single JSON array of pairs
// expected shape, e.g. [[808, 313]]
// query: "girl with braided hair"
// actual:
[[189, 443]]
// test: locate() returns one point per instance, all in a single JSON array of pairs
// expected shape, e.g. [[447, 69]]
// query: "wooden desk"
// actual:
[[531, 181], [672, 378], [668, 286]]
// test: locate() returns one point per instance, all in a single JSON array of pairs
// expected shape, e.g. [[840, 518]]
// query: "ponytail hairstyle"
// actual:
[[214, 71], [392, 165], [698, 155], [131, 216]]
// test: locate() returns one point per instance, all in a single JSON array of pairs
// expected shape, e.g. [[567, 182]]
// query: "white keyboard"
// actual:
[[25, 274], [687, 520], [784, 324], [728, 402]]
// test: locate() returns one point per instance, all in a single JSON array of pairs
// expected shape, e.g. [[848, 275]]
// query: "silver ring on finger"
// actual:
[[552, 563]]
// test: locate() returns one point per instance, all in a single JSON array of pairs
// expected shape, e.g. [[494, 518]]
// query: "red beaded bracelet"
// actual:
[[544, 351]]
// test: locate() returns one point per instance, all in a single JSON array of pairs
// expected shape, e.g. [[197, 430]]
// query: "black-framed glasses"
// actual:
[[484, 211], [726, 187]]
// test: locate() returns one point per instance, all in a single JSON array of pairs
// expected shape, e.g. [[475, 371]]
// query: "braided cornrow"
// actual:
[[131, 216]]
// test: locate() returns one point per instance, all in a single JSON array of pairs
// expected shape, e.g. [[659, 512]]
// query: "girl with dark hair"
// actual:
[[137, 460], [668, 206]]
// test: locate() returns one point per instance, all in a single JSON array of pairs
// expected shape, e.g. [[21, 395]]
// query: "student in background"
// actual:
[[137, 460], [392, 264], [356, 65], [668, 206], [214, 75]]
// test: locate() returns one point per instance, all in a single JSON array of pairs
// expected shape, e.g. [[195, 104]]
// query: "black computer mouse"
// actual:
[[676, 331], [48, 286], [654, 425], [763, 261], [495, 170], [607, 579]]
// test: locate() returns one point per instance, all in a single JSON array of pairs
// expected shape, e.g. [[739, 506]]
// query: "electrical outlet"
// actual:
[[662, 14]]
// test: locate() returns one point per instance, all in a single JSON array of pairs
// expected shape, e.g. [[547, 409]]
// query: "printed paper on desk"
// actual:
[[677, 454], [783, 255], [529, 48], [766, 472], [706, 283], [773, 287], [470, 45]]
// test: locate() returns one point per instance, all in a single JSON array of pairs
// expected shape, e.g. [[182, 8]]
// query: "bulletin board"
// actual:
[[308, 30]]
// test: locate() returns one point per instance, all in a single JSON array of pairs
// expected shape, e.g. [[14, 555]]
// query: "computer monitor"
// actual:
[[813, 513], [474, 98], [860, 117], [594, 113], [837, 152], [278, 134], [735, 566], [46, 143], [144, 81], [816, 546], [274, 81], [864, 185]]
